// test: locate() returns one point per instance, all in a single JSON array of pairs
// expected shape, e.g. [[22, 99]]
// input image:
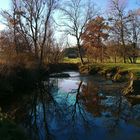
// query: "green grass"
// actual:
[[124, 66], [135, 68], [138, 60], [71, 60]]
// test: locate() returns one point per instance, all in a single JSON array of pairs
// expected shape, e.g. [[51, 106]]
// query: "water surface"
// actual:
[[77, 108]]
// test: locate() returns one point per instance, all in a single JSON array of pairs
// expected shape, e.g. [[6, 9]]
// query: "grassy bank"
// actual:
[[135, 68]]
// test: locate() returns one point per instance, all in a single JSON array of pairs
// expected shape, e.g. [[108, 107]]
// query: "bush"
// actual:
[[95, 70]]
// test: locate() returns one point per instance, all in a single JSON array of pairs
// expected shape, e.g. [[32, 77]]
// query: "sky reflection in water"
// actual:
[[83, 107]]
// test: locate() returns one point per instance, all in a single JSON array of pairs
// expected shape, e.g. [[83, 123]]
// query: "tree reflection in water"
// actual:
[[92, 99], [87, 109], [40, 103]]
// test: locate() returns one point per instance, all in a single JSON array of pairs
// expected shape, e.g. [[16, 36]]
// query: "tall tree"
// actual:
[[134, 31], [96, 31], [76, 15], [119, 19]]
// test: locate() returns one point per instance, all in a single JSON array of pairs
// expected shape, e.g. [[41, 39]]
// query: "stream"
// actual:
[[78, 107]]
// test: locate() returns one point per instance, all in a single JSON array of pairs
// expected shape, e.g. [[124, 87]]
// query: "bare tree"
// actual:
[[76, 14], [134, 31], [113, 50], [53, 50], [31, 20], [119, 19]]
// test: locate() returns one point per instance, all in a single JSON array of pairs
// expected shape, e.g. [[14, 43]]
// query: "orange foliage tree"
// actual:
[[96, 31]]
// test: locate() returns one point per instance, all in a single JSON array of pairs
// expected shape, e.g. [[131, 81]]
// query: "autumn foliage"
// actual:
[[96, 31]]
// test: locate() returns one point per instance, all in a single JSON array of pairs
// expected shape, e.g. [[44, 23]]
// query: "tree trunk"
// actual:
[[80, 53], [81, 58], [36, 51], [115, 58], [131, 61], [134, 59], [124, 59], [102, 51], [41, 56]]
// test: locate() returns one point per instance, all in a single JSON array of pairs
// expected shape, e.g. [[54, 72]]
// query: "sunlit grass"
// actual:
[[135, 68], [71, 60], [124, 66]]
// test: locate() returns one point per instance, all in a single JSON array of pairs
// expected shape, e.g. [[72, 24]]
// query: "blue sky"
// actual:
[[132, 4], [102, 4], [5, 4]]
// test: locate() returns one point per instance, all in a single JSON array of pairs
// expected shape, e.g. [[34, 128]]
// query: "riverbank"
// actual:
[[17, 78], [128, 73], [103, 68]]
